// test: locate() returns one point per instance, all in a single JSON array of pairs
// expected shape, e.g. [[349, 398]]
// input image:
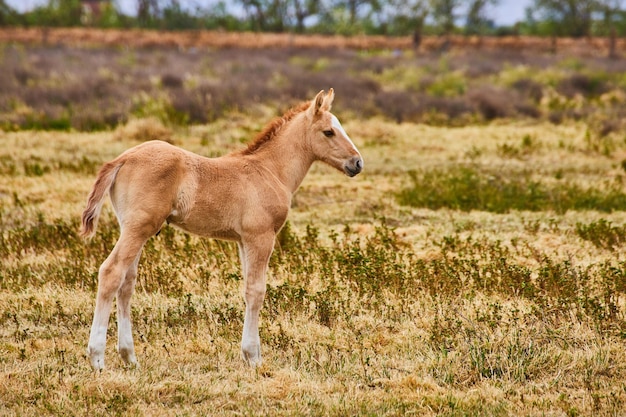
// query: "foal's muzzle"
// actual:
[[354, 166]]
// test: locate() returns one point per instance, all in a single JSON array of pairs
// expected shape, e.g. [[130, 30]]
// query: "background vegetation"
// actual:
[[346, 17], [90, 89]]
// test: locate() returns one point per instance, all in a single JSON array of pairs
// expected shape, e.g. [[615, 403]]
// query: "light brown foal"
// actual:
[[244, 196]]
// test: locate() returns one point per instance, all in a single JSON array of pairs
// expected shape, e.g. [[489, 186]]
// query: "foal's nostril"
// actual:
[[356, 166]]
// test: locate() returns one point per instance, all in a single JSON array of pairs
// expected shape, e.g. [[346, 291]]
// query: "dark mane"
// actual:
[[273, 127]]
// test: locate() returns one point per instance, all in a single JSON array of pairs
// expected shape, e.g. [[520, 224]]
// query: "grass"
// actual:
[[466, 188], [374, 307]]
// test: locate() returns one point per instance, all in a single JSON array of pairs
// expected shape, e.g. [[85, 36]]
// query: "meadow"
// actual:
[[473, 268]]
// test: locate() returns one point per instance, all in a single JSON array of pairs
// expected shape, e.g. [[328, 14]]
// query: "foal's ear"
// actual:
[[328, 100], [316, 104], [321, 102]]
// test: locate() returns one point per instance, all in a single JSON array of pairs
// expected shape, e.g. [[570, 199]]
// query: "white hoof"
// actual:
[[252, 355], [96, 358]]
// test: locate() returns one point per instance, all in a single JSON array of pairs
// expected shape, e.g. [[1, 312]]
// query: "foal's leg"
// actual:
[[243, 259], [110, 279], [255, 258], [125, 344]]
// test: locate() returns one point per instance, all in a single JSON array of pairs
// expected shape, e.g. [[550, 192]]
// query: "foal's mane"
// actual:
[[271, 130]]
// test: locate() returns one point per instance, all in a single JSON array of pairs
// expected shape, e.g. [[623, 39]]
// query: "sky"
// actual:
[[509, 12], [506, 13]]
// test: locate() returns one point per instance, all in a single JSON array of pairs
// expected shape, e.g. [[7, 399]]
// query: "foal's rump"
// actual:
[[143, 184]]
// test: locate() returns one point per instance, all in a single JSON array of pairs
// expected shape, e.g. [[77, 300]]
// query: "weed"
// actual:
[[159, 107], [583, 84], [527, 147], [602, 233]]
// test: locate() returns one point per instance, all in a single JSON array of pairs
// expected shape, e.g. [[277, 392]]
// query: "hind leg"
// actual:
[[111, 278], [125, 343]]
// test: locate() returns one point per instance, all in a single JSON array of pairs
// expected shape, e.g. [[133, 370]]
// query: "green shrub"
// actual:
[[450, 84]]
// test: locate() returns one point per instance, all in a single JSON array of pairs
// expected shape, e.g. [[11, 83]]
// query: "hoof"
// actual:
[[96, 358], [129, 358], [252, 355]]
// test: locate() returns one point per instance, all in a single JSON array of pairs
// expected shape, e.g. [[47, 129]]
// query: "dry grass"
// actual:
[[409, 338], [143, 130]]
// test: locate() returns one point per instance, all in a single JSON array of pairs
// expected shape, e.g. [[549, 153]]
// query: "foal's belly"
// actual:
[[205, 229]]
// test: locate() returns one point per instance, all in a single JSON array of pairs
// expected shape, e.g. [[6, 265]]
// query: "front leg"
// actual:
[[255, 254]]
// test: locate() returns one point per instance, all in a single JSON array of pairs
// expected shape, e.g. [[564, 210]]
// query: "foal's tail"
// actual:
[[104, 181]]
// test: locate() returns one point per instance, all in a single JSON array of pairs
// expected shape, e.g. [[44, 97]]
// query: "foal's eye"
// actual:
[[329, 133]]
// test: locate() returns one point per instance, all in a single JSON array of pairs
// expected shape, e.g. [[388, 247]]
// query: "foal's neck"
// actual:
[[287, 156]]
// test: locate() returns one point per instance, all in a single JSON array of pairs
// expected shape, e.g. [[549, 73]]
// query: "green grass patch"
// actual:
[[467, 188]]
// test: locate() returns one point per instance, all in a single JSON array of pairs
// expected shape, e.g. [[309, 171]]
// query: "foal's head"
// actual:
[[329, 142]]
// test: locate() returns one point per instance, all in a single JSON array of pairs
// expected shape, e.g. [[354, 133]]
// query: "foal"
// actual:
[[244, 197]]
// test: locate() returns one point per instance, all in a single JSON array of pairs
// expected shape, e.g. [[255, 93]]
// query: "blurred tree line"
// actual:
[[577, 18]]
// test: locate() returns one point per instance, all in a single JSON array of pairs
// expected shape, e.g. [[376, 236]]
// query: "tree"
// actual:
[[353, 8], [303, 9], [612, 15], [405, 17], [267, 15], [476, 20], [147, 12], [56, 13], [444, 13], [218, 16], [278, 15], [174, 16], [566, 17], [8, 15]]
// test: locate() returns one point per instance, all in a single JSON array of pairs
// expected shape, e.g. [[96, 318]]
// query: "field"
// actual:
[[473, 268]]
